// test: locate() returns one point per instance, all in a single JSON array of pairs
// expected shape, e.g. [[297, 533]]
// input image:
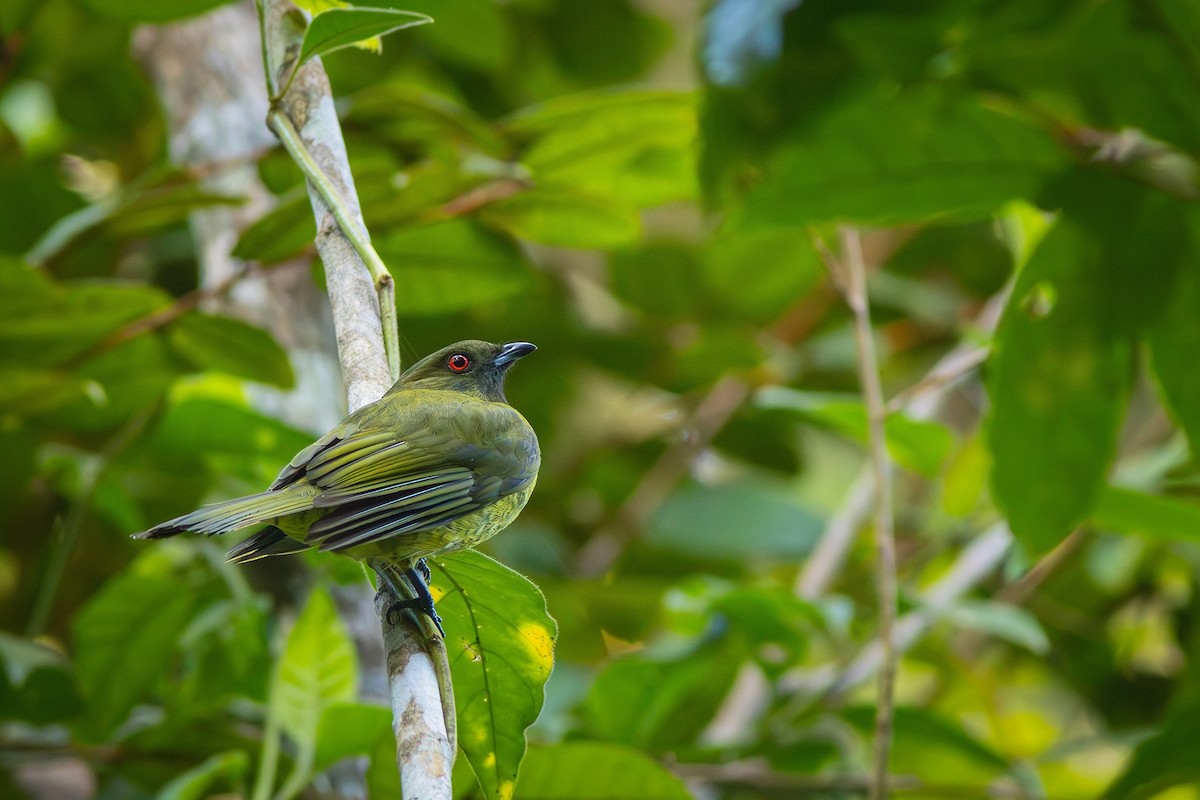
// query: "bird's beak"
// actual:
[[513, 351]]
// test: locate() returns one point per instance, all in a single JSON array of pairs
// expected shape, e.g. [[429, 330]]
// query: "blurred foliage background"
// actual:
[[644, 190]]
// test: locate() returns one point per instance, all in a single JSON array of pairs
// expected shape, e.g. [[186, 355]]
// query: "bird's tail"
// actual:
[[232, 514]]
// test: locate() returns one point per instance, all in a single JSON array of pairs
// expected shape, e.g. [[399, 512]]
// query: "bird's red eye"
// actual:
[[458, 362]]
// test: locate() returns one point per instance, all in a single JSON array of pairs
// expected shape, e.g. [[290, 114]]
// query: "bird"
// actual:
[[440, 463]]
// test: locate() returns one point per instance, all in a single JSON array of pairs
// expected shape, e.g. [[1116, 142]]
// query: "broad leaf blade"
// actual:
[[124, 639], [230, 345], [595, 771], [562, 218], [345, 27], [500, 641], [317, 670]]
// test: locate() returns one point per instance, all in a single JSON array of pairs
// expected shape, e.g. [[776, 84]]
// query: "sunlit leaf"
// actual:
[[198, 783], [500, 641], [347, 729], [36, 683], [1157, 516], [901, 158], [565, 219], [451, 266], [152, 10], [595, 771], [124, 639], [1007, 622], [318, 669], [738, 520], [345, 27], [1166, 759], [919, 445], [280, 233], [230, 345]]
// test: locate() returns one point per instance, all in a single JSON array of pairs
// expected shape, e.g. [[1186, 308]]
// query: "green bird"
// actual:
[[439, 463]]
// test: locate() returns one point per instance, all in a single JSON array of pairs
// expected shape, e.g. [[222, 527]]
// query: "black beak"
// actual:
[[513, 351]]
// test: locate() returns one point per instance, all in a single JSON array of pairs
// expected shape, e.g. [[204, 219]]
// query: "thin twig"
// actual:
[[851, 277], [476, 198]]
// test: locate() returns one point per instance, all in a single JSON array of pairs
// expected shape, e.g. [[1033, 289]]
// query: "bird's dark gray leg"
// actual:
[[416, 578]]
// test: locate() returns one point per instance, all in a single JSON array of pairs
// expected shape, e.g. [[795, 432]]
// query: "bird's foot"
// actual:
[[417, 578]]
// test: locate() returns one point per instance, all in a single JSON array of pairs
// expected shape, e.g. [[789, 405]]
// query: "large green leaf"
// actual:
[[661, 705], [152, 10], [47, 323], [760, 273], [565, 218], [490, 41], [1166, 759], [345, 27], [36, 683], [317, 670], [451, 266], [280, 233], [1061, 369], [124, 639], [737, 520], [892, 158], [595, 771], [223, 769], [635, 145], [916, 444], [500, 640], [1157, 516], [230, 345], [347, 729], [1058, 384], [1174, 340]]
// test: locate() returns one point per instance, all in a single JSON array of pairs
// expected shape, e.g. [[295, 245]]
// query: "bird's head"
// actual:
[[470, 366]]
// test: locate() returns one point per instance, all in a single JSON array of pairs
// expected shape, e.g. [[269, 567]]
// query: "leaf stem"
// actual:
[[385, 286]]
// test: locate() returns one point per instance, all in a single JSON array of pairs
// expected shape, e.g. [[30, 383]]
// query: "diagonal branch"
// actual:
[[307, 122]]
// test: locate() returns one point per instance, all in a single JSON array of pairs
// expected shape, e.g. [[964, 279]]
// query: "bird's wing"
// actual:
[[443, 462]]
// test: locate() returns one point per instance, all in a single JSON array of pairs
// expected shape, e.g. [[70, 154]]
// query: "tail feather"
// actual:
[[270, 541], [230, 515]]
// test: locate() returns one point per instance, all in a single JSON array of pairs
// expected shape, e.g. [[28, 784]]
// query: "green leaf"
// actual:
[[933, 746], [230, 345], [1174, 340], [919, 445], [317, 670], [915, 155], [152, 10], [451, 266], [36, 683], [500, 641], [489, 44], [760, 273], [280, 233], [1061, 369], [1143, 514], [595, 771], [565, 218], [659, 706], [197, 783], [348, 729], [47, 323], [633, 145], [1166, 759], [125, 636], [734, 521], [1058, 387], [1010, 623], [345, 27]]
